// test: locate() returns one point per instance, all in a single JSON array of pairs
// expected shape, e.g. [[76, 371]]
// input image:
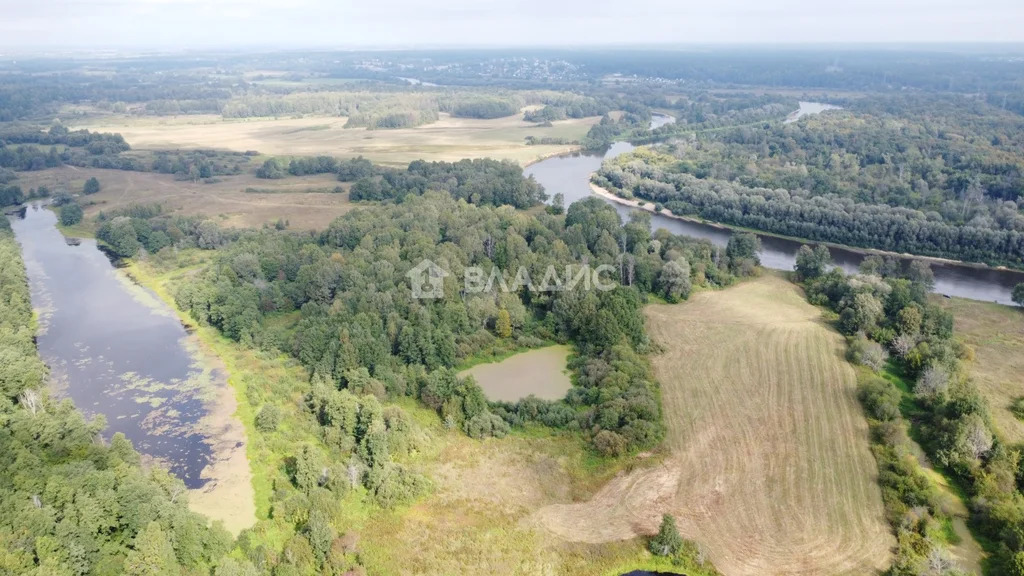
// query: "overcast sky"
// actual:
[[409, 23]]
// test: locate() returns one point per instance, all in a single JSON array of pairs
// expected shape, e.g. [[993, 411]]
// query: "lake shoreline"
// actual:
[[649, 207], [228, 495]]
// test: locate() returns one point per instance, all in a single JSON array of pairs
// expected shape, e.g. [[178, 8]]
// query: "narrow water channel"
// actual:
[[114, 348]]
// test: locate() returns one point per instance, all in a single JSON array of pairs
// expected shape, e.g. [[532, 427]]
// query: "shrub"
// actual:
[[609, 443], [268, 418], [70, 214], [393, 485], [1017, 407], [92, 186], [881, 399], [868, 353]]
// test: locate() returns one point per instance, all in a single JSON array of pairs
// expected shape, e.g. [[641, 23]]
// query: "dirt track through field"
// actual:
[[769, 467]]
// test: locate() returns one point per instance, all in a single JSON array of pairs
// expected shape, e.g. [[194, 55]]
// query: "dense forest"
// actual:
[[25, 147], [360, 330], [924, 175], [910, 345]]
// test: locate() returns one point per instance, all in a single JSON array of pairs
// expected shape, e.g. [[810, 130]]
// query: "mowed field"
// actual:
[[996, 333], [448, 139], [303, 201], [768, 466]]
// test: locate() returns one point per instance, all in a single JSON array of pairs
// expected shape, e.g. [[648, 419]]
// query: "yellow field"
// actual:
[[768, 465], [996, 333], [225, 201], [448, 139]]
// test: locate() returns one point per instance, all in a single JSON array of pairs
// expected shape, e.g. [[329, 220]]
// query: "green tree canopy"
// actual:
[[667, 542], [91, 186]]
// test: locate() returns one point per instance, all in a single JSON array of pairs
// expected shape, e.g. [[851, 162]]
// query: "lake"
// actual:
[[541, 373], [808, 109], [115, 349], [659, 120]]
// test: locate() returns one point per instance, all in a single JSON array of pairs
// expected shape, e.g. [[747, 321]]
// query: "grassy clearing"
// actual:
[[996, 333], [226, 200], [478, 518], [448, 139], [768, 465]]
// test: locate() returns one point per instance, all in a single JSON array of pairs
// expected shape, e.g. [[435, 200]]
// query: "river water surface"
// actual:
[[114, 348], [570, 176]]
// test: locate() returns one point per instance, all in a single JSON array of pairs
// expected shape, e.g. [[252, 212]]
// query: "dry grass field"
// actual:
[[225, 201], [996, 333], [768, 465], [448, 139]]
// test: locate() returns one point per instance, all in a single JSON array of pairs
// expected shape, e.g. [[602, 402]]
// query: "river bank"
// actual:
[[650, 207]]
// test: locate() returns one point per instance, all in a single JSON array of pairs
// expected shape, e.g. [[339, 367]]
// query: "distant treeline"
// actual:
[[27, 148], [478, 181], [38, 88]]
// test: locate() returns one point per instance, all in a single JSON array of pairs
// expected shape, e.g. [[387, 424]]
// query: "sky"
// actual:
[[185, 24]]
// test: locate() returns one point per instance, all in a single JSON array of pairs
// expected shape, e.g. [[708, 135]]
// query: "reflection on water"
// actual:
[[807, 109], [659, 120], [114, 348], [570, 175]]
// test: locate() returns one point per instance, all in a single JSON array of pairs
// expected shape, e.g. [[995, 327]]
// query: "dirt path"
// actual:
[[769, 467]]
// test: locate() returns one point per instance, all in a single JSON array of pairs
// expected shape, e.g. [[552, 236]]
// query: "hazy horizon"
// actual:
[[395, 24]]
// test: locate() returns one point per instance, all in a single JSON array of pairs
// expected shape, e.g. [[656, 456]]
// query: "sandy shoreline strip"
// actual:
[[228, 495]]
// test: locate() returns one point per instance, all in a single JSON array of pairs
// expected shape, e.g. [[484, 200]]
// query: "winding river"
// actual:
[[570, 176]]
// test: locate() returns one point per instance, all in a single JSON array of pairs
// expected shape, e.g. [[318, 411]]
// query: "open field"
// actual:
[[541, 373], [448, 139], [225, 200], [768, 465], [996, 333]]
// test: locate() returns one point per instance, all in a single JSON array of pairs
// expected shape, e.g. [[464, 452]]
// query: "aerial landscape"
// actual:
[[534, 289]]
